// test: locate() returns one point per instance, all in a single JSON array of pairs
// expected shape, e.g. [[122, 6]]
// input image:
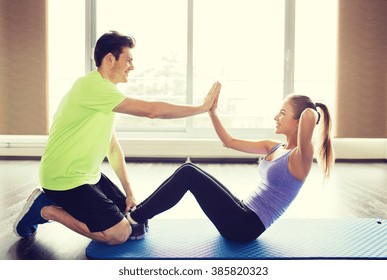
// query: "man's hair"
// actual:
[[111, 42]]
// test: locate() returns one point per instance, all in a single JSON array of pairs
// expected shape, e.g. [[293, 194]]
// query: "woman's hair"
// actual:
[[325, 154], [111, 42]]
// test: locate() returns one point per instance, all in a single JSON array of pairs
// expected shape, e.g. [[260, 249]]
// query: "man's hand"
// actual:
[[212, 110], [130, 203]]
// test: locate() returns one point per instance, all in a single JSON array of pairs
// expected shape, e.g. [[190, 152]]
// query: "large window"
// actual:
[[183, 46], [315, 50]]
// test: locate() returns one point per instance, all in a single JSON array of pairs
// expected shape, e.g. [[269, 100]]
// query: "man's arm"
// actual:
[[117, 162], [164, 110]]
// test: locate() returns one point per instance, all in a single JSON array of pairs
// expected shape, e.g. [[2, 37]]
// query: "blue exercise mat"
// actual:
[[285, 239]]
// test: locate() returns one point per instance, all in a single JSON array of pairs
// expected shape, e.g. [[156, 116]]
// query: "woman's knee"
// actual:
[[189, 168], [182, 171], [186, 166]]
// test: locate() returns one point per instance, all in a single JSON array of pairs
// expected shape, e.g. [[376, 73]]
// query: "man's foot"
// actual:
[[30, 217]]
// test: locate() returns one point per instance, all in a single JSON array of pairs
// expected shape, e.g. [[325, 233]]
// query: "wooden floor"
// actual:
[[355, 190]]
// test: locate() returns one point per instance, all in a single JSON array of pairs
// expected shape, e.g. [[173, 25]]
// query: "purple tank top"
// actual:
[[276, 190]]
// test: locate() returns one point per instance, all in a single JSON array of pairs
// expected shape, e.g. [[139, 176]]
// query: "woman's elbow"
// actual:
[[309, 115], [228, 143]]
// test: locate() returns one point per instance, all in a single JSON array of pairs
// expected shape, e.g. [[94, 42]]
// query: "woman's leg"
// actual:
[[229, 215]]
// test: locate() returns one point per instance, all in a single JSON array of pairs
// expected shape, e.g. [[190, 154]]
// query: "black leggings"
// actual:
[[230, 216]]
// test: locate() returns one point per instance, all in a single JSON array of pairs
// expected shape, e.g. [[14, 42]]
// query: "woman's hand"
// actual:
[[212, 110], [211, 97]]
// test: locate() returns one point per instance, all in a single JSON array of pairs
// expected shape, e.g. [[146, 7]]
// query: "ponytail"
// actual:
[[325, 154]]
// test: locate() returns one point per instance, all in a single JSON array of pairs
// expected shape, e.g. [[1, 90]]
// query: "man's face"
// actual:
[[123, 66]]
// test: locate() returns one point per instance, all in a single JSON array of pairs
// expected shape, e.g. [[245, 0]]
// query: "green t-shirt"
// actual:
[[80, 135]]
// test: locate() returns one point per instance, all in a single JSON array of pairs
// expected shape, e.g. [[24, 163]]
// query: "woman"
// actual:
[[282, 173]]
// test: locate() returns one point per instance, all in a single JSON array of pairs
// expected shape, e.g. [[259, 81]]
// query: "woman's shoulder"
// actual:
[[273, 145]]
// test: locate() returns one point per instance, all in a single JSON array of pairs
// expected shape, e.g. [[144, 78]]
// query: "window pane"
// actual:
[[160, 29], [315, 50], [241, 44], [66, 48]]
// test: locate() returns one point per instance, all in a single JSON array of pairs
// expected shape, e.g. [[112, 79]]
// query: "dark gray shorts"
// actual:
[[99, 206]]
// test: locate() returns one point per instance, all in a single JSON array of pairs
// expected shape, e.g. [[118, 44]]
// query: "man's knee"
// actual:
[[119, 233]]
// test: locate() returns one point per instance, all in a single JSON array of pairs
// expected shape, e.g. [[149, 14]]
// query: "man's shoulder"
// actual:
[[93, 81], [91, 76]]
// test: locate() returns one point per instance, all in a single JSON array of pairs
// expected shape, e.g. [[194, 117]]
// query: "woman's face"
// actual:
[[285, 121]]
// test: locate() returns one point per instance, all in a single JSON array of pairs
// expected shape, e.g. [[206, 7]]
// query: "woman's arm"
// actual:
[[306, 127], [252, 147], [300, 162]]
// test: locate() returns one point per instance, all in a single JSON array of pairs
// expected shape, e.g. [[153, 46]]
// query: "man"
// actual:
[[76, 194]]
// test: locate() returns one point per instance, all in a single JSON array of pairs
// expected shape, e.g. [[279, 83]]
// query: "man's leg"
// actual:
[[116, 234], [95, 211], [40, 209]]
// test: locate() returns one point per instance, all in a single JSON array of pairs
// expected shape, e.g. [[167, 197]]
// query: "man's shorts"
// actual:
[[99, 206]]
